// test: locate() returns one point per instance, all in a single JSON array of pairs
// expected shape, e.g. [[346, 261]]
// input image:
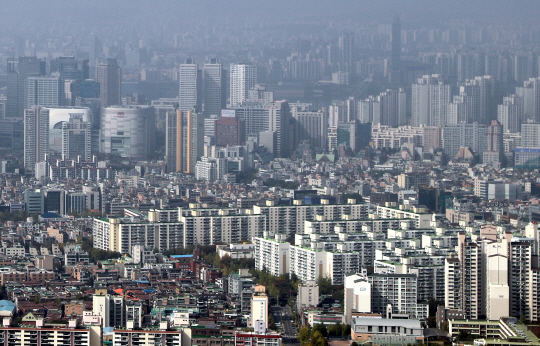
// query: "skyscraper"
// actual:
[[213, 88], [18, 69], [243, 78], [109, 77], [76, 139], [184, 141], [190, 86], [43, 91], [36, 136], [430, 98]]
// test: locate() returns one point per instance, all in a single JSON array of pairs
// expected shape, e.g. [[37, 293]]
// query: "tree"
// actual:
[[58, 302], [334, 329], [320, 327], [445, 326], [303, 335], [37, 299], [325, 285], [345, 329], [317, 339]]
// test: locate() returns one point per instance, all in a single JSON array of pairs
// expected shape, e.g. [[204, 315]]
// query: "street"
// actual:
[[283, 319]]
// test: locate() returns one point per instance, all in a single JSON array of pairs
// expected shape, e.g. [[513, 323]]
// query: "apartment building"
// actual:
[[272, 254], [290, 219], [423, 219]]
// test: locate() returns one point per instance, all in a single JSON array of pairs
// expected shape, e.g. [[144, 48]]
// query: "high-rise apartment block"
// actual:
[[430, 98], [510, 113]]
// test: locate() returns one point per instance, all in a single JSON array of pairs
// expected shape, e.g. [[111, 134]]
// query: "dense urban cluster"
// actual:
[[296, 181]]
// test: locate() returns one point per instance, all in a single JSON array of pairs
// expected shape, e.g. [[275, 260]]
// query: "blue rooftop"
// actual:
[[50, 216], [7, 305], [181, 256]]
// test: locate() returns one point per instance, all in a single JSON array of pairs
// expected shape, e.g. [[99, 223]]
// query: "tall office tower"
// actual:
[[530, 94], [430, 98], [70, 68], [243, 77], [311, 127], [184, 141], [346, 49], [109, 77], [36, 136], [190, 86], [44, 91], [495, 150], [18, 69], [510, 113], [95, 50], [76, 139], [396, 48], [128, 131], [228, 131], [460, 135], [279, 121], [213, 88]]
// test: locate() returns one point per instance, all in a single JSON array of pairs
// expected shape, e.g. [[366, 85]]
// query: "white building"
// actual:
[[190, 86], [357, 296], [272, 255], [430, 98], [243, 77], [259, 307]]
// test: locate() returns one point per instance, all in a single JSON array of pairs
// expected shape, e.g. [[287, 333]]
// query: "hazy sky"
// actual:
[[22, 16]]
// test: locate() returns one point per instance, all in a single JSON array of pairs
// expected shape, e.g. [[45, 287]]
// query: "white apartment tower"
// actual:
[[510, 113], [530, 95], [36, 136], [430, 98], [243, 77]]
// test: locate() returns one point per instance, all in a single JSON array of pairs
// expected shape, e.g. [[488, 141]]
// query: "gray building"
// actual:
[[128, 131]]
